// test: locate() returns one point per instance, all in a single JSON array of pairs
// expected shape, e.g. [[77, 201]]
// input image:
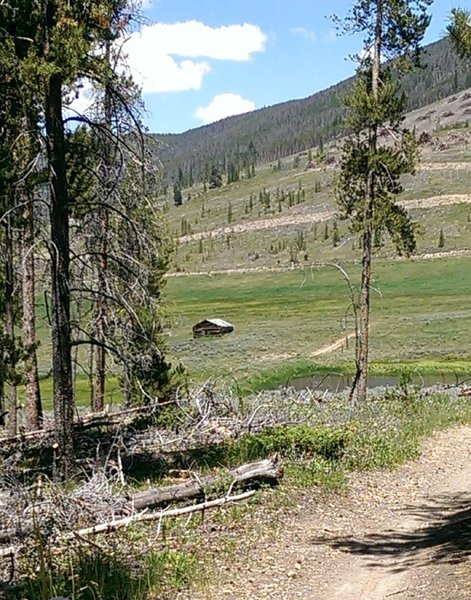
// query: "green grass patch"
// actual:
[[290, 442], [86, 574], [420, 316], [113, 395], [404, 420]]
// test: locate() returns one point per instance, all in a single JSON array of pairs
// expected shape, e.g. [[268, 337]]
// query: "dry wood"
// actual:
[[104, 419], [8, 551], [267, 471], [162, 514], [139, 518]]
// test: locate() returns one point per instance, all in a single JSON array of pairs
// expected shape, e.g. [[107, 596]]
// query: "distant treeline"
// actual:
[[272, 133]]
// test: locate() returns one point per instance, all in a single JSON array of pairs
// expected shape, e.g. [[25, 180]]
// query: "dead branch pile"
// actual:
[[204, 417], [103, 501], [109, 446], [101, 504]]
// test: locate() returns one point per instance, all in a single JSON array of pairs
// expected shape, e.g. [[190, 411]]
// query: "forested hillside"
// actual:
[[271, 133]]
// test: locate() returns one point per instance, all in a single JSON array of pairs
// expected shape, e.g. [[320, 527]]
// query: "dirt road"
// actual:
[[397, 535]]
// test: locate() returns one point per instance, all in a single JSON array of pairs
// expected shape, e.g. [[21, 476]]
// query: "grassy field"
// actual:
[[421, 311], [421, 316], [82, 392], [421, 308]]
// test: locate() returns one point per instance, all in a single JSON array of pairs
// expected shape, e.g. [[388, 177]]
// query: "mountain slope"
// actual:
[[294, 126]]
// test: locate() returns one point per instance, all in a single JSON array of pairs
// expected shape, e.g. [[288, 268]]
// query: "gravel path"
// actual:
[[400, 535]]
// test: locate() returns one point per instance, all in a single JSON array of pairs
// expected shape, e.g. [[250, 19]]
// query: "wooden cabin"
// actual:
[[212, 327]]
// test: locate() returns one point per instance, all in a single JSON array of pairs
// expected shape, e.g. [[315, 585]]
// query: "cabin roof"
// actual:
[[218, 322]]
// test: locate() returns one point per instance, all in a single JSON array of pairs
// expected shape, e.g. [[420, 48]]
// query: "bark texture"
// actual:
[[32, 392], [60, 280]]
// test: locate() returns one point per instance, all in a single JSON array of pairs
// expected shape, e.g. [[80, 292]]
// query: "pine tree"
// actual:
[[441, 239], [215, 178], [370, 174], [71, 39], [177, 194], [335, 235], [326, 232], [459, 31]]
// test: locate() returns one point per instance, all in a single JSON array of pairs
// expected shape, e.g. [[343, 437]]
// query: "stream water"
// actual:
[[334, 382]]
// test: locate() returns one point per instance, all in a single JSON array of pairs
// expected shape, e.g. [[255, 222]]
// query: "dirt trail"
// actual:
[[403, 534], [341, 343], [241, 270]]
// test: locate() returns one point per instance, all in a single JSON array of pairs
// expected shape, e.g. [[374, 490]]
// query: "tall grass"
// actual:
[[92, 574]]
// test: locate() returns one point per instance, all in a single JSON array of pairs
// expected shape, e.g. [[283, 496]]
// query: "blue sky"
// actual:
[[200, 60]]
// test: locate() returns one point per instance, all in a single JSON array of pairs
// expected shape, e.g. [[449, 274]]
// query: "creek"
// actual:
[[336, 382]]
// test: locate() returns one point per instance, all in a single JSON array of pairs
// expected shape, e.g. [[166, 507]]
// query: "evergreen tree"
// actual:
[[370, 174], [232, 173], [177, 194], [252, 158], [441, 239], [326, 232], [335, 235], [215, 178], [51, 45], [459, 31]]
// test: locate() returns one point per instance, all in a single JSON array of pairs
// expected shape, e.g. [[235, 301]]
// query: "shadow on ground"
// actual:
[[440, 533]]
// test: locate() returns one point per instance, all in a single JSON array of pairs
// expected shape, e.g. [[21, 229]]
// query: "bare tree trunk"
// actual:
[[10, 328], [32, 392], [376, 67], [101, 322], [360, 382], [60, 280], [91, 383], [99, 397], [361, 378], [2, 393]]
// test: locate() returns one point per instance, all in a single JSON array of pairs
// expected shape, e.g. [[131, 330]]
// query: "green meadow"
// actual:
[[283, 316], [421, 319]]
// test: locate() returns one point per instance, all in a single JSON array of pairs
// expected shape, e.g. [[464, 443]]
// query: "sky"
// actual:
[[199, 61]]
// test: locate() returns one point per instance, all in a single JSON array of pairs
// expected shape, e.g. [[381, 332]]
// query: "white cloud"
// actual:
[[306, 33], [80, 100], [326, 37], [330, 36], [224, 105], [154, 52]]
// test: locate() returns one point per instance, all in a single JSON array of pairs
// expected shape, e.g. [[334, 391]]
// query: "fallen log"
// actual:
[[161, 514], [140, 517], [250, 475], [101, 419], [268, 471]]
